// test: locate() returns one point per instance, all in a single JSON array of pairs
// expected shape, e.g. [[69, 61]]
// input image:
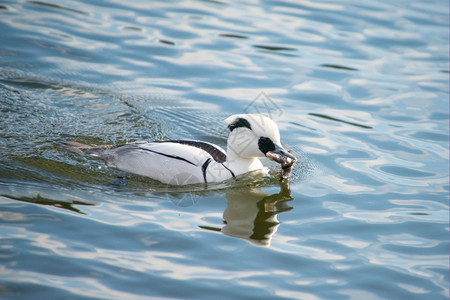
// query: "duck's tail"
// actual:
[[84, 149]]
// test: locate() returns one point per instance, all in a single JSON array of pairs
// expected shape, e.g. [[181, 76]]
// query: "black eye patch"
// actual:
[[265, 144]]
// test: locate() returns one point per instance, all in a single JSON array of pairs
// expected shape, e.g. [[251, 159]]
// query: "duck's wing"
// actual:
[[217, 153], [174, 162]]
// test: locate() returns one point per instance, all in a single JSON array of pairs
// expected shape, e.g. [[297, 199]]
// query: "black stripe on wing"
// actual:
[[216, 153], [204, 167], [168, 155], [231, 172]]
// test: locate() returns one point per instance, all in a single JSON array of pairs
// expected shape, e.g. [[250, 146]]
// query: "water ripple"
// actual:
[[359, 91]]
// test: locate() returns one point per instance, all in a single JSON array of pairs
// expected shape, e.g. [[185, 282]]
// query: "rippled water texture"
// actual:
[[360, 92]]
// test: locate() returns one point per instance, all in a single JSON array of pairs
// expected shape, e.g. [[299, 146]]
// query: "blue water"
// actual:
[[359, 90]]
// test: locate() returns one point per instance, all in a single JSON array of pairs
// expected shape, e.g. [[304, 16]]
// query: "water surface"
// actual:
[[360, 92]]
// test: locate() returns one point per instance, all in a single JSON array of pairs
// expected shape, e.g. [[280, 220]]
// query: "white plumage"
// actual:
[[181, 162]]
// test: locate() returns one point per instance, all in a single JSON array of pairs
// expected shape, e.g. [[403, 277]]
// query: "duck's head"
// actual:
[[254, 135]]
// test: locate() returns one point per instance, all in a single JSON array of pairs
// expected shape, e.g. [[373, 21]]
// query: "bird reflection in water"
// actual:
[[252, 214]]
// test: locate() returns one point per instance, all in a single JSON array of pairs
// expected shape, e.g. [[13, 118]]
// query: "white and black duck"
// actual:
[[181, 162]]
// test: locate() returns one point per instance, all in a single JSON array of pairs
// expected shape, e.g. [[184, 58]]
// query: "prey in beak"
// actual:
[[283, 157]]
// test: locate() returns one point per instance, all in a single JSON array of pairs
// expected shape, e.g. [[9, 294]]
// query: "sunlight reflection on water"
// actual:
[[359, 91]]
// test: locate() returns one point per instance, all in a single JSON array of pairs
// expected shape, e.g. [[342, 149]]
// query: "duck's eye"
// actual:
[[265, 144]]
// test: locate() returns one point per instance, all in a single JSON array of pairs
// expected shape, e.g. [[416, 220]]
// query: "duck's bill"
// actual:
[[281, 156]]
